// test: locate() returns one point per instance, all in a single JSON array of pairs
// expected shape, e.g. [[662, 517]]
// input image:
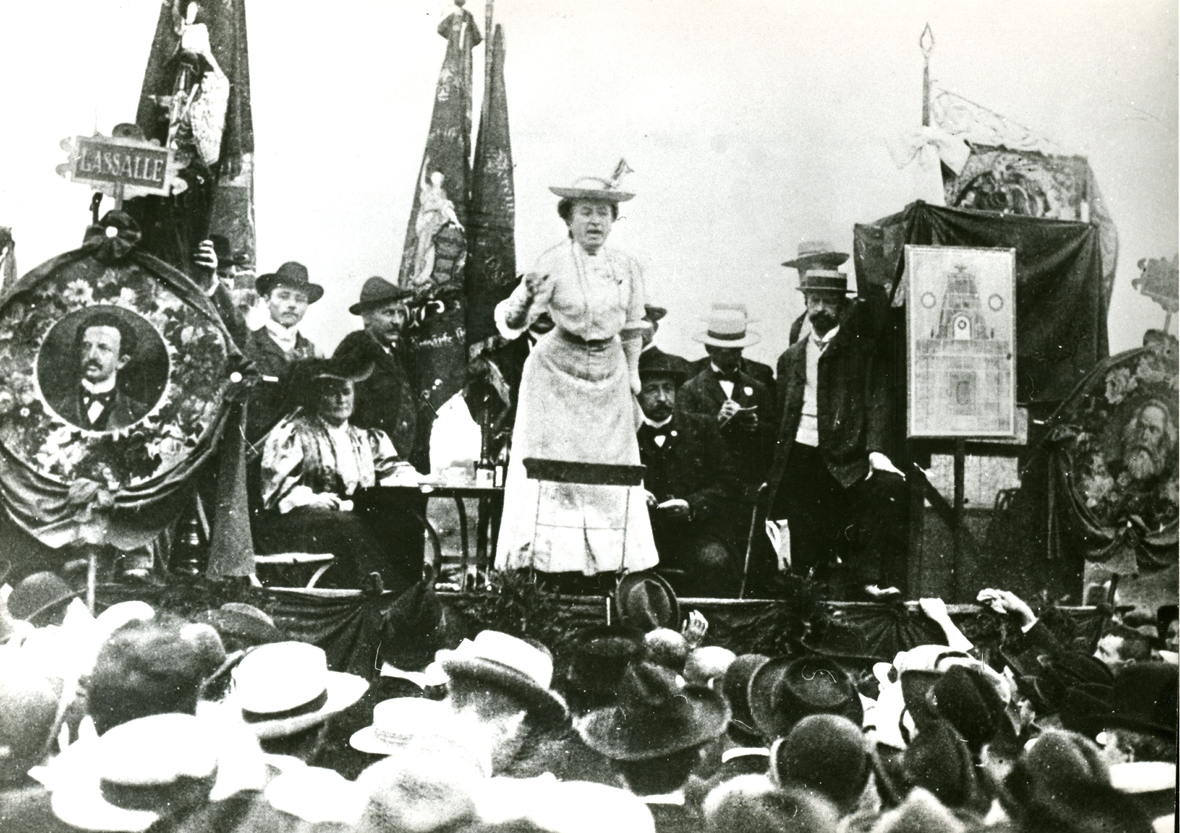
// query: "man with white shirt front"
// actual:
[[692, 488], [843, 499], [278, 343]]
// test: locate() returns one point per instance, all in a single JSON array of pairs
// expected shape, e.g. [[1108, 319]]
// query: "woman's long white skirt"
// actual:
[[575, 404]]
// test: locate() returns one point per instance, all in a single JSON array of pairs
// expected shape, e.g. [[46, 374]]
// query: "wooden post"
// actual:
[[959, 528], [926, 44], [915, 584], [91, 576]]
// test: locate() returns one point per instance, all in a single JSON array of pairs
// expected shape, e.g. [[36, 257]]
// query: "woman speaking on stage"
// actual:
[[576, 402]]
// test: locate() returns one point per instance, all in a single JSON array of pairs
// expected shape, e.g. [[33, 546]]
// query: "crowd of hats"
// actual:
[[139, 720]]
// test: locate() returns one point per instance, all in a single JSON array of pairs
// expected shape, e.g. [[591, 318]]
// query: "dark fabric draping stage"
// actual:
[[1060, 299]]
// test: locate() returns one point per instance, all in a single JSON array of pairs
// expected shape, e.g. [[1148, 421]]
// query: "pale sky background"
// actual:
[[751, 124]]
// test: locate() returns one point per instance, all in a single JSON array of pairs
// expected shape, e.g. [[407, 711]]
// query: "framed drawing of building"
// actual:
[[962, 341]]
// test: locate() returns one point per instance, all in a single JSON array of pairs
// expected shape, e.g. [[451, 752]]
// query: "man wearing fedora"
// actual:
[[652, 353], [275, 345], [843, 499], [741, 406], [386, 399], [692, 488]]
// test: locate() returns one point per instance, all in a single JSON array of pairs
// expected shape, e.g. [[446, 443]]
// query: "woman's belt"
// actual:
[[589, 343]]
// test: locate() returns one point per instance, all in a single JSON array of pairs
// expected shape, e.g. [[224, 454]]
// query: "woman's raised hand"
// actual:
[[533, 282]]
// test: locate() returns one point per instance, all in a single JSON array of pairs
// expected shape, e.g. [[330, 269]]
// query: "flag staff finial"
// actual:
[[926, 44]]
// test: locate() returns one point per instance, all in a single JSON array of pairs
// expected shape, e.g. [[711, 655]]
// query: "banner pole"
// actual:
[[926, 44]]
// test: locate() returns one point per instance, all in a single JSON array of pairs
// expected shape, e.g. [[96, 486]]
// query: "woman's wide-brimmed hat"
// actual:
[[787, 689], [592, 188], [523, 670], [728, 327], [286, 687], [378, 291], [290, 274], [657, 715], [127, 778], [816, 254]]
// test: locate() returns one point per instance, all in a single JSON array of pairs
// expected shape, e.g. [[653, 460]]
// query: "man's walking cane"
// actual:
[[750, 538]]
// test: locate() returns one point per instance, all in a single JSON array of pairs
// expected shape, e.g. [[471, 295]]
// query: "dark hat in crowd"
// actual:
[[653, 364], [1143, 699], [787, 689], [736, 689], [292, 275], [376, 292], [657, 715], [599, 656], [653, 313], [162, 765], [241, 625], [418, 792], [285, 687], [38, 596], [962, 695], [921, 812], [1061, 779], [645, 600], [940, 761], [521, 669], [413, 629], [1058, 674], [151, 667], [816, 254], [824, 753]]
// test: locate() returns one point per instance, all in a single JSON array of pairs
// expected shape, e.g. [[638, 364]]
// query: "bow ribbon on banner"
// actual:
[[930, 146], [113, 238]]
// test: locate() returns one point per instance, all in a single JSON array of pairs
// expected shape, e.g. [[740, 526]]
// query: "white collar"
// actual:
[[282, 334], [674, 798], [826, 338], [101, 387], [647, 421]]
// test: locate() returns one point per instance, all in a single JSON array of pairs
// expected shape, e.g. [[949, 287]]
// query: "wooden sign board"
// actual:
[[100, 160]]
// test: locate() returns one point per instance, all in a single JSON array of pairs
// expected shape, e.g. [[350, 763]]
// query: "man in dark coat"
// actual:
[[652, 353], [386, 399], [691, 485], [277, 344], [742, 407], [842, 497]]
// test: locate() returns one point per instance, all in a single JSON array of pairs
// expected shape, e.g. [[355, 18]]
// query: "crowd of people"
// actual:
[[141, 720]]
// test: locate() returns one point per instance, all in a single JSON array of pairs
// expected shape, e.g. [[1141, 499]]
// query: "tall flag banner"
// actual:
[[7, 258], [1013, 169], [491, 253], [435, 251], [196, 99]]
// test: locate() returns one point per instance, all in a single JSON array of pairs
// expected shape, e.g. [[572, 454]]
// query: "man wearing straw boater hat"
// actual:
[[813, 254], [742, 407], [844, 501]]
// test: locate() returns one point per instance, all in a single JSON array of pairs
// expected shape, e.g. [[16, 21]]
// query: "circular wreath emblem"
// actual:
[[107, 374]]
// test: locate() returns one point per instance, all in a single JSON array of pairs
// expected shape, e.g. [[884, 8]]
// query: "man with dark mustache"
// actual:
[[105, 343], [844, 501]]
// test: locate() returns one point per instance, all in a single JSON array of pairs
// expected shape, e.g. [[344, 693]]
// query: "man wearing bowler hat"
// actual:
[[386, 399], [843, 499], [278, 343], [651, 353], [691, 485]]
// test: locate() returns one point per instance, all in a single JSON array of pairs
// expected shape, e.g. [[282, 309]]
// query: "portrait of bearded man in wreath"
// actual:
[[1148, 442]]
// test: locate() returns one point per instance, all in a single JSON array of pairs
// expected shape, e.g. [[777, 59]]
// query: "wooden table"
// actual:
[[488, 510]]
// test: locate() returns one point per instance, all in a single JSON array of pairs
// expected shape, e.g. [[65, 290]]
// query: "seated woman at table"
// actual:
[[314, 463]]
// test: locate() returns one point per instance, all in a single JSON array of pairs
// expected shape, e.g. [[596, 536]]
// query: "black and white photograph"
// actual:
[[472, 416]]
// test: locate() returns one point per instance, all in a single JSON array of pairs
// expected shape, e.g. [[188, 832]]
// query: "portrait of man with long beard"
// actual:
[[1148, 442]]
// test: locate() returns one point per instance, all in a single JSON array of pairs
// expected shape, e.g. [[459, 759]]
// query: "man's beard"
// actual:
[[822, 323], [1142, 463]]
